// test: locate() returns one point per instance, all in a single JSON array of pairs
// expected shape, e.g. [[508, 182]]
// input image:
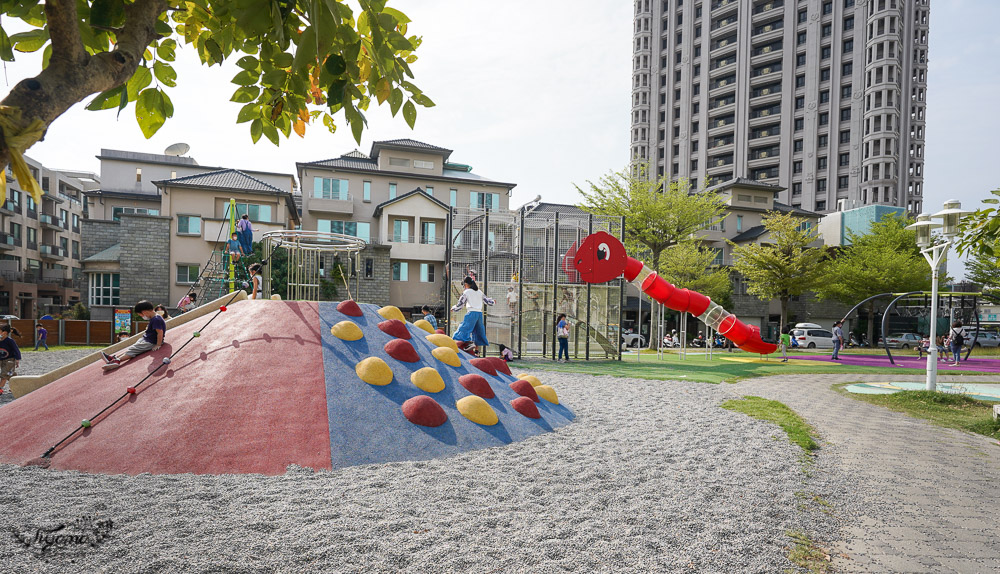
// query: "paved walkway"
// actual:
[[931, 495]]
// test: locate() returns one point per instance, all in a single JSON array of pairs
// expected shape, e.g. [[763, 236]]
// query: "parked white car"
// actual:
[[985, 339], [633, 340], [902, 341], [813, 337]]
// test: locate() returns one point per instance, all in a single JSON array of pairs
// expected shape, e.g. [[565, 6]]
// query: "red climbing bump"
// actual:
[[223, 308], [130, 390], [484, 365], [424, 411], [526, 407], [440, 331], [395, 328], [500, 365], [524, 388], [350, 308], [401, 350], [477, 385]]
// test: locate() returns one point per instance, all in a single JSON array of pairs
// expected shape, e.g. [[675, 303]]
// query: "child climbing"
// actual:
[[151, 340], [473, 328], [256, 291], [10, 354], [429, 316], [234, 248]]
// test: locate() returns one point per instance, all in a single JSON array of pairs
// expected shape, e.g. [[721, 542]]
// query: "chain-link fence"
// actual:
[[518, 258]]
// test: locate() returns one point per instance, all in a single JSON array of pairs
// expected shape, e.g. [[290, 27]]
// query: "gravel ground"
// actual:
[[652, 477]]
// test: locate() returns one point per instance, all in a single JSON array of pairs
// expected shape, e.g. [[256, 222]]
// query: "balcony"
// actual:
[[343, 203], [52, 252], [49, 222], [10, 208], [406, 247], [7, 242]]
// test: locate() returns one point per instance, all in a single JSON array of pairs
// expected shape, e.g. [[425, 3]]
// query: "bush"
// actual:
[[80, 312]]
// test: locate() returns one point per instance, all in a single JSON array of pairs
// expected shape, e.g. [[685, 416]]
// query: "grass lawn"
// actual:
[[699, 368], [944, 409], [798, 430]]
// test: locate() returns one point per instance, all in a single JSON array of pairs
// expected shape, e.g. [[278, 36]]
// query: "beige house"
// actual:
[[398, 198]]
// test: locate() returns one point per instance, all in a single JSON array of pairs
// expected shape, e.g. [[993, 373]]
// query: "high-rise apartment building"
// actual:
[[826, 98]]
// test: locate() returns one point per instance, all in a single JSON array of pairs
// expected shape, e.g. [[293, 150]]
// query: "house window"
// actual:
[[116, 212], [399, 162], [104, 289], [138, 174], [330, 188], [76, 250], [367, 186], [400, 231], [453, 199], [428, 231], [369, 267], [188, 225], [487, 201], [76, 222], [352, 228], [400, 271], [187, 274], [255, 211], [423, 164], [426, 272], [739, 224], [392, 191], [821, 205], [430, 190]]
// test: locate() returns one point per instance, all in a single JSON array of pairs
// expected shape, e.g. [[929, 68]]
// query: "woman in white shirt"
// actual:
[[473, 328]]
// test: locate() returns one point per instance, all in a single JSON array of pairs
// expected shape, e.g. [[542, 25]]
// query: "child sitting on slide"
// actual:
[[151, 340]]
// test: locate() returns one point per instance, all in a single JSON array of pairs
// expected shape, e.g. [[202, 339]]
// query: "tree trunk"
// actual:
[[784, 313], [871, 325]]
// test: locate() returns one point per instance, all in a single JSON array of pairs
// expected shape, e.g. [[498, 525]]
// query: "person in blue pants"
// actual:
[[40, 337], [473, 328]]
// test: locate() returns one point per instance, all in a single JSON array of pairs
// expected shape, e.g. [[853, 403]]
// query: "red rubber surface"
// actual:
[[248, 396]]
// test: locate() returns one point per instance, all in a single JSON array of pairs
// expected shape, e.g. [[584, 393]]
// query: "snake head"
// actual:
[[600, 258]]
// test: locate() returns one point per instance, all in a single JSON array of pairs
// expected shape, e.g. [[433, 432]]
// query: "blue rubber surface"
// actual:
[[367, 423]]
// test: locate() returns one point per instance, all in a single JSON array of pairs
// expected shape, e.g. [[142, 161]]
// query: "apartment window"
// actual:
[[845, 114], [845, 92], [800, 60], [138, 174], [800, 38], [367, 191], [487, 201], [400, 231], [803, 17], [392, 191], [849, 23], [187, 274], [369, 267], [847, 69], [848, 46], [330, 188], [800, 102], [824, 75], [797, 145], [399, 162], [361, 230], [423, 164], [797, 167], [105, 289], [117, 212], [824, 118], [821, 163], [188, 225], [799, 124], [255, 211], [845, 136], [797, 188], [820, 186], [825, 52], [428, 233], [842, 182], [430, 190], [426, 272], [76, 222], [76, 250], [827, 8], [453, 197], [800, 81], [400, 271], [821, 205], [32, 235], [823, 140]]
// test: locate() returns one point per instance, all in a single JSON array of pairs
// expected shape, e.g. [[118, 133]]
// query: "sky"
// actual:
[[538, 94]]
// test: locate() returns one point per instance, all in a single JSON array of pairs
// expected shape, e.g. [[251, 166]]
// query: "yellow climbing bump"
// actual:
[[530, 378], [424, 324], [548, 393], [347, 331], [439, 340], [391, 312], [374, 371], [275, 297], [447, 356], [427, 379], [477, 410]]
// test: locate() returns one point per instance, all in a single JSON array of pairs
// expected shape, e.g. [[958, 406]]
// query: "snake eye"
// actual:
[[602, 251]]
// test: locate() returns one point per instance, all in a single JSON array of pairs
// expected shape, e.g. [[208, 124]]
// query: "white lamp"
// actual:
[[950, 215], [923, 227]]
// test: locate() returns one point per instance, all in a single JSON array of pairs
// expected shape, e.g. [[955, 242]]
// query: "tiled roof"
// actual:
[[222, 179], [544, 207], [378, 208], [405, 142], [346, 161], [784, 208], [750, 234], [356, 154], [112, 253]]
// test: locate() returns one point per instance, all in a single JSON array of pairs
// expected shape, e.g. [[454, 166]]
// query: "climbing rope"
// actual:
[[87, 423]]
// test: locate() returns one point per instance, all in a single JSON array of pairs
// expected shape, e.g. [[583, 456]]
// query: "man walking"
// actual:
[[41, 336], [838, 340]]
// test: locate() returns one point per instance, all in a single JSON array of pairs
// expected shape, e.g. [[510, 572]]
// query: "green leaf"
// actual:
[[275, 78], [165, 73], [399, 16], [255, 129], [166, 50], [335, 94], [271, 133], [30, 41], [122, 100], [410, 113], [248, 112], [46, 56], [139, 80], [162, 28], [245, 94], [108, 99], [248, 63], [246, 78], [423, 100], [214, 50], [151, 110], [399, 41], [108, 13], [282, 60], [6, 47], [335, 64], [395, 100]]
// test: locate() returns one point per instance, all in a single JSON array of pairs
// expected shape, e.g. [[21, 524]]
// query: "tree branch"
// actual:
[[72, 77]]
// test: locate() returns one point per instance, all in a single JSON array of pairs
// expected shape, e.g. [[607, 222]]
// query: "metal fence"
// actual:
[[518, 258]]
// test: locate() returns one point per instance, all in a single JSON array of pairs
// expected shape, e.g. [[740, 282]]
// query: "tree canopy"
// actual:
[[300, 61], [784, 265], [985, 270], [980, 230], [658, 214], [692, 266]]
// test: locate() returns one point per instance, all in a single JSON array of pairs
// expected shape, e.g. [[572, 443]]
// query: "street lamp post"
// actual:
[[935, 254]]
